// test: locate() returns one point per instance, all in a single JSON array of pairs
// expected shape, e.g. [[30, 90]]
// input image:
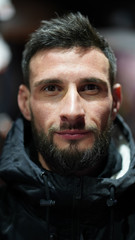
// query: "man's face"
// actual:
[[70, 97]]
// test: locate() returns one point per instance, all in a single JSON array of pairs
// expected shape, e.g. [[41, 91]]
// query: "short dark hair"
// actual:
[[68, 31]]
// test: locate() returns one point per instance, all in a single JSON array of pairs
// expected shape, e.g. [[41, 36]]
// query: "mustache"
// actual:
[[77, 126]]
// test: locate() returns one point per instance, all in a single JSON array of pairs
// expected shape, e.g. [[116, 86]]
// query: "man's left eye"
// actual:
[[90, 87]]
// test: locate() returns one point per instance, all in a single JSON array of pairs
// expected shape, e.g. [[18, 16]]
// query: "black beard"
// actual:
[[72, 160]]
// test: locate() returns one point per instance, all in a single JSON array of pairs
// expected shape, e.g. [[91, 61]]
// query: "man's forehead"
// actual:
[[67, 60], [95, 53]]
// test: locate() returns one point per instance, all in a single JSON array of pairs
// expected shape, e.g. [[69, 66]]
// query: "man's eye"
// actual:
[[90, 87], [51, 88]]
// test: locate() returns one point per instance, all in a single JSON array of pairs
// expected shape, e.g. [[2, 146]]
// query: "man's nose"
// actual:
[[72, 107]]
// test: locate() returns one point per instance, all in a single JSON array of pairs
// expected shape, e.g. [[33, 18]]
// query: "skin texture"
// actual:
[[70, 92]]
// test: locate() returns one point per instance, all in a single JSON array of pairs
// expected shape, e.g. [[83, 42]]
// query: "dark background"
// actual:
[[115, 19]]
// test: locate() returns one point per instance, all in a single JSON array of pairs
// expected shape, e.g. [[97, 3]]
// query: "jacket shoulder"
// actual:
[[5, 199]]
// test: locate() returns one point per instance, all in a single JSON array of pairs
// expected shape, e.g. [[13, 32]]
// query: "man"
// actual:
[[68, 162]]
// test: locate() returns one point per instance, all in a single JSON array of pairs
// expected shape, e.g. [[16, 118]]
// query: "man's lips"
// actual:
[[73, 134]]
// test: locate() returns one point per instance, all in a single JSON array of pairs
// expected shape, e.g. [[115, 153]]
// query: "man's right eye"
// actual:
[[50, 88]]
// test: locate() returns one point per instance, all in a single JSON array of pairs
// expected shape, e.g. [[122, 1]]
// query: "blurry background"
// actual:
[[18, 18]]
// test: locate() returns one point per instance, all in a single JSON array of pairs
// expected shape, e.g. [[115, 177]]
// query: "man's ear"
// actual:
[[23, 101], [117, 99]]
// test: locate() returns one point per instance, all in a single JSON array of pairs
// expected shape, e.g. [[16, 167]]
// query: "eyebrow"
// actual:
[[58, 81], [94, 80], [47, 81]]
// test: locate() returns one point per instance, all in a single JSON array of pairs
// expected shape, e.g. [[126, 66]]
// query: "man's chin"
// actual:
[[73, 145], [69, 156]]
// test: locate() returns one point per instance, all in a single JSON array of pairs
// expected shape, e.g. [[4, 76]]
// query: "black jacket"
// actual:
[[36, 204]]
